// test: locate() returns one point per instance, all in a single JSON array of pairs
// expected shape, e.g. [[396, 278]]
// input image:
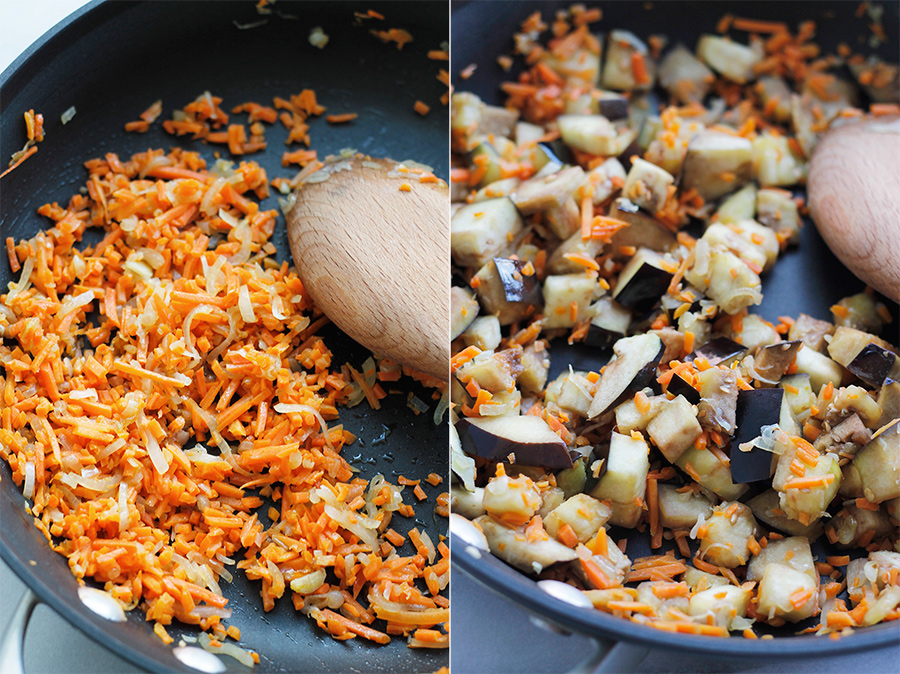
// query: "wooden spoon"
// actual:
[[375, 257], [854, 199]]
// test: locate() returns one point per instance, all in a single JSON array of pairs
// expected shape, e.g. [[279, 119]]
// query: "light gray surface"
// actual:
[[51, 644], [493, 635]]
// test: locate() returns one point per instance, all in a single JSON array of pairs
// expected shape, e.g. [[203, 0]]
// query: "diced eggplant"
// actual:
[[712, 473], [755, 333], [837, 94], [820, 368], [772, 361], [767, 509], [733, 285], [804, 122], [684, 76], [593, 134], [612, 105], [697, 324], [572, 480], [807, 504], [863, 312], [484, 332], [548, 158], [526, 133], [739, 206], [467, 503], [484, 154], [643, 230], [679, 387], [481, 231], [582, 64], [583, 513], [776, 96], [846, 343], [646, 594], [466, 113], [883, 86], [873, 364], [889, 399], [755, 408], [535, 368], [551, 497], [722, 605], [610, 323], [633, 368], [463, 310], [497, 121], [776, 208], [719, 399], [495, 372], [674, 428], [719, 351], [647, 185], [558, 263], [716, 164], [811, 331], [775, 163], [877, 466], [642, 281], [505, 291], [604, 178], [614, 565], [725, 542], [511, 499], [851, 523], [561, 294], [564, 220], [625, 479], [496, 190], [629, 418], [575, 394], [530, 556], [673, 345], [730, 59], [503, 403], [779, 584], [793, 552], [699, 580], [618, 68], [799, 396], [529, 438], [681, 510], [542, 193], [728, 236], [849, 399], [845, 438], [462, 466]]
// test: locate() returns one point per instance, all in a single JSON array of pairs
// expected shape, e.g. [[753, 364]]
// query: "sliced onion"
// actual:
[[72, 303], [28, 485], [226, 648], [157, 458], [285, 408], [124, 515], [24, 280], [246, 307]]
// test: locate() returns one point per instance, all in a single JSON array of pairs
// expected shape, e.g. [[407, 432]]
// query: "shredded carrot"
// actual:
[[341, 119]]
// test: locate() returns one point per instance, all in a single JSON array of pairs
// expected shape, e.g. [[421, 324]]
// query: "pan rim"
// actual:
[[496, 576]]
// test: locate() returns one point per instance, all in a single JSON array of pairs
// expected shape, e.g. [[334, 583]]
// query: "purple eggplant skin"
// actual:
[[601, 338], [516, 286], [872, 365], [720, 350], [755, 409], [494, 447], [613, 106], [679, 387], [643, 291]]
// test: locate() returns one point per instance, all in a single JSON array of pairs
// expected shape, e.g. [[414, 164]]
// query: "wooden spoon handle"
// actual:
[[854, 199], [375, 260]]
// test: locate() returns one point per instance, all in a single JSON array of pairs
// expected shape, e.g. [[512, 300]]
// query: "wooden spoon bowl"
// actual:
[[854, 199], [374, 256]]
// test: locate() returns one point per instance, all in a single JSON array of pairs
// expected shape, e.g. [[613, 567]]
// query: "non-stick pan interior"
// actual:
[[111, 61], [807, 279]]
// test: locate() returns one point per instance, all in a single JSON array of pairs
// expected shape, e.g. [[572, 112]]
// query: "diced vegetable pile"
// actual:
[[733, 442]]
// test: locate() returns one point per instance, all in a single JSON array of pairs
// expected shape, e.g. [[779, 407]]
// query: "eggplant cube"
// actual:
[[724, 604], [463, 310], [873, 364], [618, 68], [558, 263], [505, 291], [643, 230], [718, 406], [776, 209], [799, 396], [626, 470], [731, 59], [684, 76], [629, 418], [575, 394], [775, 163], [778, 585], [806, 504], [739, 206], [716, 164], [773, 361], [593, 134], [674, 428], [511, 499], [719, 351], [681, 510], [566, 299], [878, 466], [793, 552], [647, 185], [642, 282], [732, 283], [480, 231], [847, 343], [548, 191], [820, 368], [583, 513], [766, 508], [495, 372], [484, 332], [755, 409], [535, 368], [711, 473], [633, 368], [610, 323], [529, 438], [528, 555], [679, 387], [725, 542], [811, 331]]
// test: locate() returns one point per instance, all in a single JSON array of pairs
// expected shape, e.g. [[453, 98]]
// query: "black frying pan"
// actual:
[[806, 279], [113, 59]]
